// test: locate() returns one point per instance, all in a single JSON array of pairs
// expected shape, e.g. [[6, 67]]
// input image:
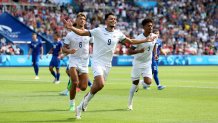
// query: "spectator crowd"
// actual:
[[8, 48], [187, 27]]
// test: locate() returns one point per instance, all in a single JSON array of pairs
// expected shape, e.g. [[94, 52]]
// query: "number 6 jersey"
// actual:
[[81, 43]]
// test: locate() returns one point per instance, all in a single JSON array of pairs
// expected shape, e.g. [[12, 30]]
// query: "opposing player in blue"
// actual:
[[36, 49], [56, 52], [154, 65]]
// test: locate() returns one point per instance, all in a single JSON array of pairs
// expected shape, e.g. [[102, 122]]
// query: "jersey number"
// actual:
[[80, 45], [109, 42], [149, 48]]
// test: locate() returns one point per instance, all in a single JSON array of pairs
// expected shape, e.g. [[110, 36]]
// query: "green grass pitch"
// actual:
[[191, 96]]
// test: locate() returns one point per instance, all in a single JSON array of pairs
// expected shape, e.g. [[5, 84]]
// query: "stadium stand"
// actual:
[[187, 27]]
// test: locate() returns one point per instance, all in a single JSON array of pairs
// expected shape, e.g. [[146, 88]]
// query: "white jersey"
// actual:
[[144, 59], [104, 44], [81, 43]]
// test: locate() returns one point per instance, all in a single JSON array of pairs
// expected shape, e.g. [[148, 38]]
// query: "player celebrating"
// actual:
[[142, 59], [105, 41], [36, 49], [56, 52], [78, 48]]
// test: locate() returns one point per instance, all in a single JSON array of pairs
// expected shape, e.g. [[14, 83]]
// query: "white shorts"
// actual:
[[80, 65], [100, 69], [145, 72]]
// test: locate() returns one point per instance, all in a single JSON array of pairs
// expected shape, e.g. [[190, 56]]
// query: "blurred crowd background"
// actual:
[[186, 27]]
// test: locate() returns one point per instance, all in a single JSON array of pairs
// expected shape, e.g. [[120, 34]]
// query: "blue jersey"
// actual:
[[36, 47], [158, 45], [55, 61], [56, 48]]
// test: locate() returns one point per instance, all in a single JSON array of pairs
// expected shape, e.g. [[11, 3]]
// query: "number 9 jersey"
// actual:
[[104, 44]]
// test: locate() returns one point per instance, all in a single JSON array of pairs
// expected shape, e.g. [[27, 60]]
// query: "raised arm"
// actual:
[[68, 24]]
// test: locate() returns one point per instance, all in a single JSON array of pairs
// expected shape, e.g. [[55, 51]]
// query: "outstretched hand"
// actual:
[[68, 23], [151, 38]]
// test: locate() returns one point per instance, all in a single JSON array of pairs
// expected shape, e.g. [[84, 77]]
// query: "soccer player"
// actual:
[[56, 52], [159, 51], [142, 59], [105, 41], [36, 49], [69, 84], [78, 48]]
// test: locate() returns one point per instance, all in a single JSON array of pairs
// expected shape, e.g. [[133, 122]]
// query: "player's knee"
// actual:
[[148, 82], [135, 82], [82, 88], [100, 86]]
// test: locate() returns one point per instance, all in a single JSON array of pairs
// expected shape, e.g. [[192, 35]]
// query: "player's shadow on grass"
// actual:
[[109, 110]]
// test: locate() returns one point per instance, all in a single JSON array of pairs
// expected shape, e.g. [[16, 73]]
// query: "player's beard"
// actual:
[[112, 25]]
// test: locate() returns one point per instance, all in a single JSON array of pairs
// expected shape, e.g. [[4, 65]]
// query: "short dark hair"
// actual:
[[108, 14], [146, 20]]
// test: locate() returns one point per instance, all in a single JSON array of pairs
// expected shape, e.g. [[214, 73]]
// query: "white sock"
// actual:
[[131, 94], [72, 102], [86, 100], [88, 97]]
